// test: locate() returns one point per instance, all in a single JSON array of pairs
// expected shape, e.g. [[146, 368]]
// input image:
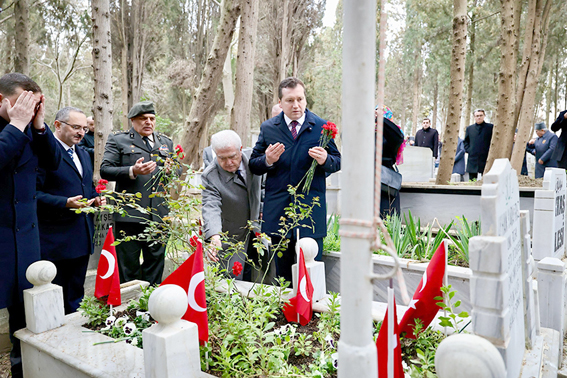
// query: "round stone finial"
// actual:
[[168, 303], [41, 272], [310, 248], [468, 356]]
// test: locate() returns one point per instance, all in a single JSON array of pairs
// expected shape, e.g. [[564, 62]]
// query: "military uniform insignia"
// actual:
[[163, 148], [543, 141]]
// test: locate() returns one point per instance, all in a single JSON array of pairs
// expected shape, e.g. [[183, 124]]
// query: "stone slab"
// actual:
[[418, 164]]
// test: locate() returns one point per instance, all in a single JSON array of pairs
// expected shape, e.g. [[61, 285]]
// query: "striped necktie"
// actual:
[[70, 151], [293, 125]]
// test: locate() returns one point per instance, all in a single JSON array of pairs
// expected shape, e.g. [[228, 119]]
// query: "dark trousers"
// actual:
[[128, 254], [70, 276], [473, 175], [16, 321], [288, 258]]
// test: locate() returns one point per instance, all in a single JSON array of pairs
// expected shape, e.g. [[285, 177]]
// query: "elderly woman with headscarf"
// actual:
[[542, 147], [392, 149]]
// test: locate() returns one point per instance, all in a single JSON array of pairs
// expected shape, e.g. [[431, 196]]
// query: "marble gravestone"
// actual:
[[419, 164], [102, 221], [496, 264], [549, 216]]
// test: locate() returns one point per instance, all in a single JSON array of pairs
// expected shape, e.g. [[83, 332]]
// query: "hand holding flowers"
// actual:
[[319, 154]]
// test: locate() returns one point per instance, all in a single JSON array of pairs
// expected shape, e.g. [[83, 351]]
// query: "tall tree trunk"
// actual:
[[535, 63], [240, 120], [227, 87], [416, 93], [548, 97], [212, 74], [556, 86], [458, 55], [470, 77], [504, 120], [435, 98], [125, 62], [102, 67], [22, 37], [285, 46]]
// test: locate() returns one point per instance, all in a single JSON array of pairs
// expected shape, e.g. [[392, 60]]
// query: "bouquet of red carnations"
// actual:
[[329, 132]]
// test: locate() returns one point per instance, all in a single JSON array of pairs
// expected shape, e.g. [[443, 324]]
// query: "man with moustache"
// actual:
[[66, 237], [26, 143]]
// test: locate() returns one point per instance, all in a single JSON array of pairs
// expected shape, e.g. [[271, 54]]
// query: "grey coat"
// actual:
[[228, 204]]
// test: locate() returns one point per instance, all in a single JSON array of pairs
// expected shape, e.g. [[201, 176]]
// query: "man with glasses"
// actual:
[[66, 238], [477, 144], [131, 158], [26, 143]]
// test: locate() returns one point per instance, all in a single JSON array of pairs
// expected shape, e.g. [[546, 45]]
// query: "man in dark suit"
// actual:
[[285, 149], [26, 143], [231, 198], [131, 159], [208, 157], [66, 238], [459, 165], [477, 144], [559, 154], [87, 143], [428, 137]]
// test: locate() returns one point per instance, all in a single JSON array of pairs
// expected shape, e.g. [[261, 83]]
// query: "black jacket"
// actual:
[[428, 138], [477, 145], [559, 153]]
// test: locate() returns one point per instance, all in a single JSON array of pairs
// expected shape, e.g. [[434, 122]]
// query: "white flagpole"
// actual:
[[390, 330], [207, 354]]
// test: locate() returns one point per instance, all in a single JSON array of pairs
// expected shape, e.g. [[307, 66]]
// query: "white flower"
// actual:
[[330, 341], [335, 359], [110, 321], [405, 366], [133, 341], [144, 314], [129, 328], [120, 322]]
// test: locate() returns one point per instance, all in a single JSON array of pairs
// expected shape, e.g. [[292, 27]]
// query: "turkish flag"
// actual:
[[107, 276], [301, 305], [423, 306], [190, 276], [387, 344]]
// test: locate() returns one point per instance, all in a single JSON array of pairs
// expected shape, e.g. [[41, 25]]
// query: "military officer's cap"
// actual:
[[143, 107]]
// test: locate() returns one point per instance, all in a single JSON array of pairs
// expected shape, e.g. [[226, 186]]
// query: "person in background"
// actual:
[[231, 199], [477, 144], [26, 144], [559, 154], [428, 137], [459, 165], [542, 147], [286, 147], [88, 140], [276, 109], [66, 238]]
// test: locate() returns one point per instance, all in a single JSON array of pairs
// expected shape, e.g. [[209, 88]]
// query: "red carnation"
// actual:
[[236, 268], [332, 128], [101, 185], [179, 152]]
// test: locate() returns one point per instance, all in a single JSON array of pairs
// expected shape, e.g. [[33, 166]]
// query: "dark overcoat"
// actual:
[[20, 156], [459, 166], [477, 145], [121, 152], [559, 153], [63, 233], [292, 165], [543, 149], [88, 144]]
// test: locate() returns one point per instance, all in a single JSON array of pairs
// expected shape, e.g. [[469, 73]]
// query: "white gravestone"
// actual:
[[418, 166], [531, 307], [496, 263], [549, 216]]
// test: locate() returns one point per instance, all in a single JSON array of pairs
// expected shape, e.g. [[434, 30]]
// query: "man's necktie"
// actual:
[[147, 141], [239, 175], [293, 125], [70, 152]]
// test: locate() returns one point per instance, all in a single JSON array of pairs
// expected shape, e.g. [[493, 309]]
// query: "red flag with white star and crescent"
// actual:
[[423, 306], [190, 276], [300, 308], [107, 277], [388, 346]]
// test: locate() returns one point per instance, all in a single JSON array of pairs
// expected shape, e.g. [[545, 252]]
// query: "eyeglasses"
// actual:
[[77, 127]]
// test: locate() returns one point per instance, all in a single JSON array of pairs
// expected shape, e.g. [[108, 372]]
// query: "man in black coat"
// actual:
[[559, 153], [428, 137], [87, 143], [287, 145], [131, 159], [477, 144], [66, 237], [26, 143]]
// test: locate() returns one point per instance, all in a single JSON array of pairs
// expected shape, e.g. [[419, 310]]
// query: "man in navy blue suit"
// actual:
[[25, 144], [285, 149], [66, 238]]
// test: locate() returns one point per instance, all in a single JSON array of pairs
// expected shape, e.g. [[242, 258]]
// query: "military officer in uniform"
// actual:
[[133, 159], [542, 147]]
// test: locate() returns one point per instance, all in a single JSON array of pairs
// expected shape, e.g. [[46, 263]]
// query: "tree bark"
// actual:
[[470, 77], [435, 99], [284, 52], [212, 74], [504, 120], [458, 55], [240, 120], [416, 93], [227, 87], [535, 64], [102, 67], [22, 37]]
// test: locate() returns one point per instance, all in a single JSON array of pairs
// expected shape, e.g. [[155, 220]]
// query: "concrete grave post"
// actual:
[[171, 347], [44, 302], [551, 284], [315, 269], [531, 310], [549, 216], [496, 264]]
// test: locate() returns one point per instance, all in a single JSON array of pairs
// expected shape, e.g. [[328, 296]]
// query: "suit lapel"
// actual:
[[307, 124], [139, 142], [284, 129]]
